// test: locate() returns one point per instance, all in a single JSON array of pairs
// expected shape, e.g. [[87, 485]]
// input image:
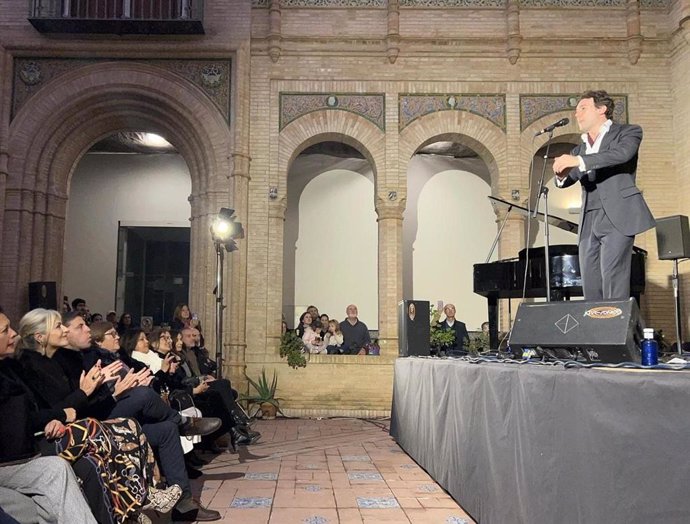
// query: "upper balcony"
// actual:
[[120, 17]]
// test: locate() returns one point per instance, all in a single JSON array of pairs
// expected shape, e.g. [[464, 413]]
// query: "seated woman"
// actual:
[[311, 338], [112, 458], [333, 341], [42, 334], [183, 318]]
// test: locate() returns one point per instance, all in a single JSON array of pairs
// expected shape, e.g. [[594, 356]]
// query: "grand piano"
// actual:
[[504, 278]]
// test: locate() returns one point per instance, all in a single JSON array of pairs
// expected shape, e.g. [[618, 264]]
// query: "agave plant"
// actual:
[[265, 392]]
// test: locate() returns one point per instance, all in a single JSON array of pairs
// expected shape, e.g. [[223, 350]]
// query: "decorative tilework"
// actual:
[[428, 488], [572, 3], [251, 502], [413, 106], [377, 502], [455, 520], [408, 466], [261, 476], [259, 3], [316, 519], [534, 107], [364, 475], [445, 4], [369, 106], [212, 76], [312, 488], [655, 4], [355, 458]]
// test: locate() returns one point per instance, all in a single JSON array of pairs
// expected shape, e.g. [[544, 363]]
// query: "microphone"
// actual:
[[562, 122]]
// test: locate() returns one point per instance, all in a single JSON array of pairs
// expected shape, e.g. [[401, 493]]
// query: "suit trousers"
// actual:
[[605, 257], [52, 488]]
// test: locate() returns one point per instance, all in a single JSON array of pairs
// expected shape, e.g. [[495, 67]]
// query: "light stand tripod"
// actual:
[[220, 256], [675, 278], [544, 192]]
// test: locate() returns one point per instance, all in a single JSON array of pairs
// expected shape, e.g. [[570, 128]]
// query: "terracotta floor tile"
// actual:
[[302, 515], [301, 468]]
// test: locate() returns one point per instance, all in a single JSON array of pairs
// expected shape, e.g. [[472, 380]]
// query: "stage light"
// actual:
[[224, 230]]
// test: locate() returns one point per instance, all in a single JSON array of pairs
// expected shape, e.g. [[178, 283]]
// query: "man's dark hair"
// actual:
[[601, 98], [68, 317], [77, 301]]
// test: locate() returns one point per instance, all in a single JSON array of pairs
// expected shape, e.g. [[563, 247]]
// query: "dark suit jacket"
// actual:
[[462, 337], [615, 169]]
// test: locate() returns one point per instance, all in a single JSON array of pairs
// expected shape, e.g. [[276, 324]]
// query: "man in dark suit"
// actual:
[[613, 209], [462, 337]]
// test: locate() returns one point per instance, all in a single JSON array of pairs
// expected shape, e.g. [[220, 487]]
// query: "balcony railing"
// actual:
[[118, 16]]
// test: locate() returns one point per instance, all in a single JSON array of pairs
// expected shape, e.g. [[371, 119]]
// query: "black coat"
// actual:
[[462, 337], [21, 414]]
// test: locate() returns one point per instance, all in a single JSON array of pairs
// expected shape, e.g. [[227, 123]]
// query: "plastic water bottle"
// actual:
[[650, 349]]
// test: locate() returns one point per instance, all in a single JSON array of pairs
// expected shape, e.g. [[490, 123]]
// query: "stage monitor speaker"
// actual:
[[43, 294], [414, 328], [673, 237], [605, 331]]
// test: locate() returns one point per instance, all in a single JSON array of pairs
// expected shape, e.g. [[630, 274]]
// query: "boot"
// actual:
[[188, 509], [199, 426]]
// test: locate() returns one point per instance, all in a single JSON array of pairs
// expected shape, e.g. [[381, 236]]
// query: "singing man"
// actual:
[[613, 209]]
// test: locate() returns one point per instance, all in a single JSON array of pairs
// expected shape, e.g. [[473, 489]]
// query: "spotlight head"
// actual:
[[225, 229]]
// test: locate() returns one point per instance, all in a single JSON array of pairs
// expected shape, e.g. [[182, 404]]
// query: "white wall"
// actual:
[[448, 228], [336, 257], [105, 189]]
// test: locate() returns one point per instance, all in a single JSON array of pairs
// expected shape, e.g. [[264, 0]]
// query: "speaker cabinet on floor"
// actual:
[[43, 294], [413, 328], [606, 331], [673, 237]]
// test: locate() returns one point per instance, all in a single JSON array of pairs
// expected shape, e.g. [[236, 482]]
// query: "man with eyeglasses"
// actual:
[[130, 398]]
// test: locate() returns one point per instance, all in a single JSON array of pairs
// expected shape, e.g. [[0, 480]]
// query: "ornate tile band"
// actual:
[[533, 107], [369, 106], [212, 76], [413, 106]]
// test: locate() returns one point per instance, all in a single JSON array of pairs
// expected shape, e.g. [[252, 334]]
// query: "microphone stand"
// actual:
[[544, 192]]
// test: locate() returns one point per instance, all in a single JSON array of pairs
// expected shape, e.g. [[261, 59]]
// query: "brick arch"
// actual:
[[57, 123], [57, 126], [465, 128], [330, 125]]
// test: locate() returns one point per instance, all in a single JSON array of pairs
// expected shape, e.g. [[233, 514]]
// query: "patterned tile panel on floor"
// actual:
[[305, 471]]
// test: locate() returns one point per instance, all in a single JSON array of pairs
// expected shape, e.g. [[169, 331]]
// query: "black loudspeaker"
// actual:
[[414, 329], [673, 237], [43, 294], [606, 331]]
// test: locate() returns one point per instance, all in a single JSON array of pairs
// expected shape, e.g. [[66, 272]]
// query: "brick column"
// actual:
[[390, 217]]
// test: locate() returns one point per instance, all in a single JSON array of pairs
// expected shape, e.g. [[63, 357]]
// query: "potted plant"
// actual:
[[265, 397], [292, 348], [440, 339]]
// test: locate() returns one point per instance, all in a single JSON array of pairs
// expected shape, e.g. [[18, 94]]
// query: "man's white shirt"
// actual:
[[591, 148]]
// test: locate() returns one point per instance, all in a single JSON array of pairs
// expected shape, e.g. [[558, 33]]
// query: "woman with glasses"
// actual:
[[119, 469]]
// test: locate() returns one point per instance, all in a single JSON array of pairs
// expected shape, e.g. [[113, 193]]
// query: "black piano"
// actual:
[[504, 278]]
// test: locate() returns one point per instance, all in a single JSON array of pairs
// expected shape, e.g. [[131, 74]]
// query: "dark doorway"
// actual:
[[152, 271]]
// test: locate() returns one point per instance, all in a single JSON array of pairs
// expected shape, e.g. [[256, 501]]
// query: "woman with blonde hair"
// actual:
[[117, 449]]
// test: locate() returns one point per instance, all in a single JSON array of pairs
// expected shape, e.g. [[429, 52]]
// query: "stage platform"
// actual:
[[523, 443]]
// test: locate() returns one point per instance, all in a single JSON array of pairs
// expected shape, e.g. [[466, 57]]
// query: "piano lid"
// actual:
[[561, 223]]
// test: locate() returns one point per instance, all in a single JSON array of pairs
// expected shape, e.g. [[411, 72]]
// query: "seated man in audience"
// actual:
[[355, 332], [161, 424], [79, 305], [462, 337]]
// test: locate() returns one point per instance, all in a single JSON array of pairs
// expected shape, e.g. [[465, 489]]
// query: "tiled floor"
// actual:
[[324, 472]]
